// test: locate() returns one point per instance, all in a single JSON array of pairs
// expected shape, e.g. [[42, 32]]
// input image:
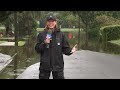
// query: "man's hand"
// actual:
[[74, 49]]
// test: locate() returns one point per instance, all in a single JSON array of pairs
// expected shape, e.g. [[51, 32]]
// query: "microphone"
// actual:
[[49, 35]]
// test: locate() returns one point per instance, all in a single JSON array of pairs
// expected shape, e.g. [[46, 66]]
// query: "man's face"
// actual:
[[51, 24]]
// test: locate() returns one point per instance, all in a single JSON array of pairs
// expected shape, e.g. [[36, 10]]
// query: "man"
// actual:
[[52, 44]]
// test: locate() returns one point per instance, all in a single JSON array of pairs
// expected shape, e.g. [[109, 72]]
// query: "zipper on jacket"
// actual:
[[51, 62]]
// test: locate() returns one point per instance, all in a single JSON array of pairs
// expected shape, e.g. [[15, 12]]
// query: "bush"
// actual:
[[111, 32], [94, 33]]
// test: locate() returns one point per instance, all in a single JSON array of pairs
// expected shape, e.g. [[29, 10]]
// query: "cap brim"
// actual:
[[51, 19]]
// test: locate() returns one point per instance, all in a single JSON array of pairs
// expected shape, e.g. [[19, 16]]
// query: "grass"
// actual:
[[40, 29], [2, 42], [117, 42], [25, 38], [7, 38], [2, 28], [69, 29], [21, 43], [62, 29]]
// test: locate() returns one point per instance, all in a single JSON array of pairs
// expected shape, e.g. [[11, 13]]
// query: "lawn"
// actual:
[[2, 29], [63, 29], [21, 43], [69, 29], [2, 42], [6, 38], [117, 42]]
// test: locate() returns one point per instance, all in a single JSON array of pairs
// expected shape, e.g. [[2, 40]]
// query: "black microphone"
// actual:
[[49, 35]]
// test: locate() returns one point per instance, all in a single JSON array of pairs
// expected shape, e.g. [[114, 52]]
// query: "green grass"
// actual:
[[2, 42], [25, 38], [2, 29], [21, 43], [117, 42], [69, 29], [7, 38], [62, 29], [40, 29]]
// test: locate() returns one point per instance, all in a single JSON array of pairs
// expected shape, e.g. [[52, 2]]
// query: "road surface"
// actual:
[[83, 64]]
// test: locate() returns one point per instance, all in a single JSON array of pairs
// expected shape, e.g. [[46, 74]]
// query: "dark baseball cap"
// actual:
[[51, 17]]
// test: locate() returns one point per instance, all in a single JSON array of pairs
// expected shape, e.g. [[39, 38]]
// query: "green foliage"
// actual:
[[71, 20], [4, 15], [64, 18], [27, 23], [1, 30], [94, 33], [104, 20], [111, 32], [117, 42], [34, 27]]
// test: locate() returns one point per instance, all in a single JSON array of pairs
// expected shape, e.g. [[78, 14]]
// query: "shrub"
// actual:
[[111, 32], [94, 33]]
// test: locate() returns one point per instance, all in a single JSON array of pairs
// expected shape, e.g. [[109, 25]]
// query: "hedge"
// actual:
[[111, 32]]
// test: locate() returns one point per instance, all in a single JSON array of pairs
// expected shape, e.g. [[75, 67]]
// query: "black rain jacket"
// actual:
[[52, 57]]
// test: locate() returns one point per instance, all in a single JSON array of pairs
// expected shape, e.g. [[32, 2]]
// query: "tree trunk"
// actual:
[[7, 30], [79, 34], [16, 29], [86, 41], [16, 44]]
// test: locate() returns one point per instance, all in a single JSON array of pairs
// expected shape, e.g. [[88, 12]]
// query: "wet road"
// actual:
[[4, 61], [84, 64]]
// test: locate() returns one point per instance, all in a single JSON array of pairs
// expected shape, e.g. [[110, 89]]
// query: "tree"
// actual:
[[4, 19], [4, 15], [71, 20], [64, 18], [88, 19]]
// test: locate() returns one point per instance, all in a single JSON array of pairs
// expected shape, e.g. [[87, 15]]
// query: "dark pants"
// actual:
[[46, 74]]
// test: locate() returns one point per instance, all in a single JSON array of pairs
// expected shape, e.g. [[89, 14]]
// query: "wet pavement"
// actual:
[[83, 64], [4, 61]]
